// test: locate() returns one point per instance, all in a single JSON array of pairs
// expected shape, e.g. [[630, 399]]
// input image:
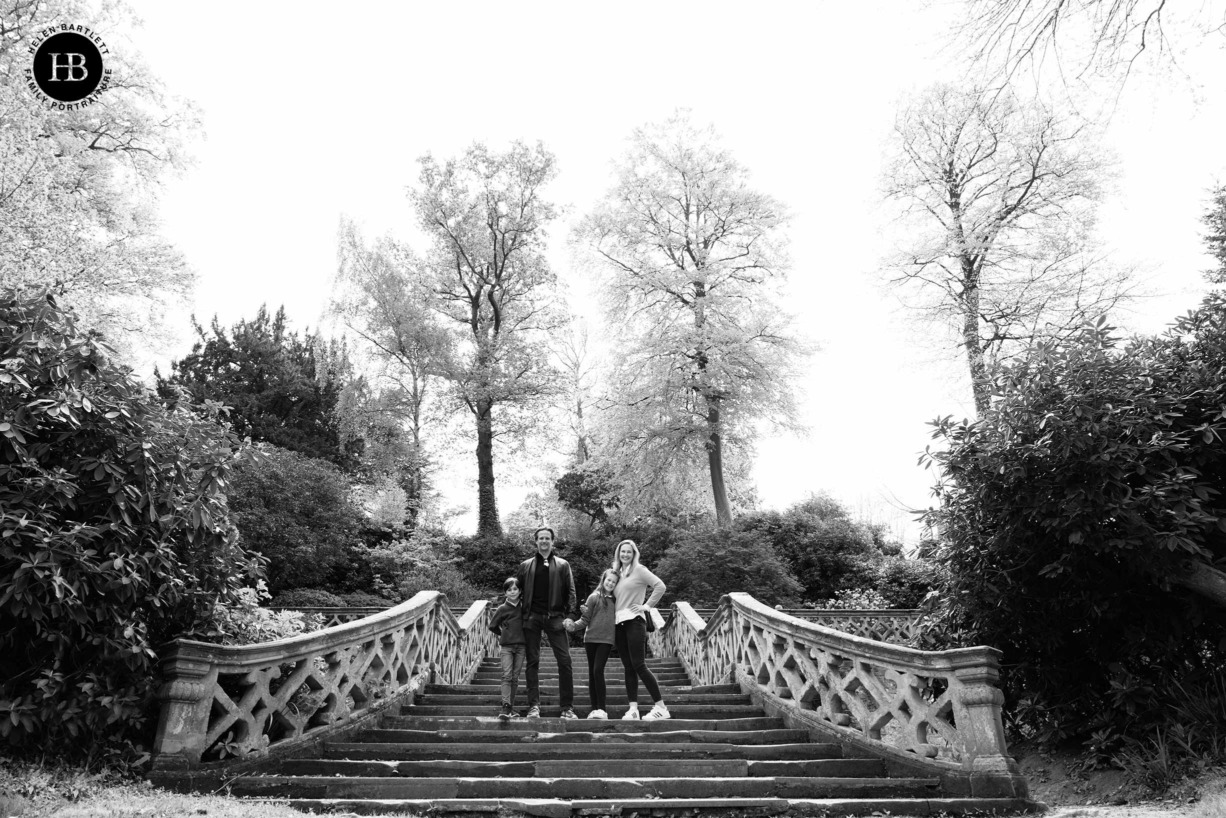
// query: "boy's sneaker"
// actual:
[[633, 712], [569, 713], [658, 712], [598, 714], [506, 714], [534, 712]]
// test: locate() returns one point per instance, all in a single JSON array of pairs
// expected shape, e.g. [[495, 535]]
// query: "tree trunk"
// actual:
[[488, 524], [1204, 580], [715, 458], [971, 339]]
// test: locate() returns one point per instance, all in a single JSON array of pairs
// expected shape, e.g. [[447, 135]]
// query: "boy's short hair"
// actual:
[[511, 582]]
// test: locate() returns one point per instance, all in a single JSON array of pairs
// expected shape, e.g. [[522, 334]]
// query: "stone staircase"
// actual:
[[719, 755]]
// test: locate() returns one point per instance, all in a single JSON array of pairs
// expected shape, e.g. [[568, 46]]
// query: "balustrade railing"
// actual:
[[897, 625], [220, 701], [943, 706], [330, 616]]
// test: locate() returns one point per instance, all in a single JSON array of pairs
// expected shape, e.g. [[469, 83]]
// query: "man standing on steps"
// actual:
[[548, 598]]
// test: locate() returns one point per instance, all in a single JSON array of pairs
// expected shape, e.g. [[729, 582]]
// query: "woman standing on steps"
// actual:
[[630, 632]]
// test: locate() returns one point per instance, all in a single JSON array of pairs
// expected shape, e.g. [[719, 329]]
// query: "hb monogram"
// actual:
[[74, 63]]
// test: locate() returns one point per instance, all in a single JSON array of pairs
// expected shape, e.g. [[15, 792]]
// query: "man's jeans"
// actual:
[[512, 665], [534, 625]]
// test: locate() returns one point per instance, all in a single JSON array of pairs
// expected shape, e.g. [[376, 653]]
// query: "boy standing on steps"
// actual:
[[508, 623]]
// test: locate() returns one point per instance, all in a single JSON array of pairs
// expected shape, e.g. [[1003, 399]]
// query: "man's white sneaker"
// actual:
[[534, 712], [658, 712], [633, 712], [598, 714]]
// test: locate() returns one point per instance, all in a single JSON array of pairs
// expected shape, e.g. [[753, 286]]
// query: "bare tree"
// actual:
[[578, 365], [382, 294], [693, 257], [1001, 195], [486, 219], [1105, 35]]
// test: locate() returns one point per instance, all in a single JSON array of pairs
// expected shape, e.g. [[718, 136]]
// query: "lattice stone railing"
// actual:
[[943, 706], [222, 701], [897, 625], [339, 616]]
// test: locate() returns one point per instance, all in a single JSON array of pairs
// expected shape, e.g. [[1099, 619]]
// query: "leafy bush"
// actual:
[[116, 536], [365, 599], [297, 512], [903, 582], [244, 622], [1081, 519], [486, 561], [855, 599], [308, 598], [825, 548], [704, 566]]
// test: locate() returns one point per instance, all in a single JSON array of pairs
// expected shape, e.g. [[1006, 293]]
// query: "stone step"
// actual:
[[665, 736], [613, 697], [281, 786], [526, 748], [580, 677], [680, 711], [571, 767], [707, 807], [496, 687], [488, 721]]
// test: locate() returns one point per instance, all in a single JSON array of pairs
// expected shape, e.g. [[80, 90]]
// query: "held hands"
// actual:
[[569, 624]]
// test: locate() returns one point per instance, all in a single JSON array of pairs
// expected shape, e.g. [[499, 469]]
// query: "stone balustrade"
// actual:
[[221, 702], [937, 707], [897, 625]]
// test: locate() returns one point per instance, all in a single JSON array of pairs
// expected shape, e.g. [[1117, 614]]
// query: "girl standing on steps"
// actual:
[[597, 619], [630, 632]]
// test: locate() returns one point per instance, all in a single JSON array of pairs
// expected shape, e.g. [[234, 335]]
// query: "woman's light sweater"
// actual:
[[631, 590]]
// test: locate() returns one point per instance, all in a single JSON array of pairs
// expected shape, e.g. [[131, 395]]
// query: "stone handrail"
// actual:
[[221, 701], [941, 706]]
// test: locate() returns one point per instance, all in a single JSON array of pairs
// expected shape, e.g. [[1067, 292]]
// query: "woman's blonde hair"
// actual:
[[617, 563]]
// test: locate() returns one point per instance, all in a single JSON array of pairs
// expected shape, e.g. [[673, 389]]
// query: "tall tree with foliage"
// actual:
[[486, 218], [1215, 235], [1082, 521], [281, 388], [384, 297], [78, 189], [116, 535], [694, 257], [1001, 195]]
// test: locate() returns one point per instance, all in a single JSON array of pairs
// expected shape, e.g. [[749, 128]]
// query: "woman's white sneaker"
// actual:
[[633, 712], [598, 714], [658, 712]]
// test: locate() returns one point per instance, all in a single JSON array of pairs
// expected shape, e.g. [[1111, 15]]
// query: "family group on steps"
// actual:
[[540, 598]]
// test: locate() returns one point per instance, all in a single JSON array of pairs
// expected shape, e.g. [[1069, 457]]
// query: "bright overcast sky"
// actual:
[[312, 112]]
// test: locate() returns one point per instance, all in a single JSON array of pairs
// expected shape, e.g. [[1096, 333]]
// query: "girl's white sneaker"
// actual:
[[658, 712], [598, 714], [633, 712]]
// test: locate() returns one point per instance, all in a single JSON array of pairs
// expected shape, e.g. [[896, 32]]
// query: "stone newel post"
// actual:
[[184, 720], [977, 711]]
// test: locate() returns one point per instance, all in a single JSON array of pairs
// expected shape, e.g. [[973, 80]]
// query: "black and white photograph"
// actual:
[[653, 409]]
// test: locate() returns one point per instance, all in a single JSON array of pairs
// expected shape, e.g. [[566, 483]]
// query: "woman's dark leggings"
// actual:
[[631, 637], [597, 655]]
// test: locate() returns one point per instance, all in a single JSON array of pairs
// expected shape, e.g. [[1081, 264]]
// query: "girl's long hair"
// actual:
[[600, 584], [617, 563]]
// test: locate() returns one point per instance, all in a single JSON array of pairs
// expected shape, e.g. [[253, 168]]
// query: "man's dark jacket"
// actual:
[[563, 599]]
